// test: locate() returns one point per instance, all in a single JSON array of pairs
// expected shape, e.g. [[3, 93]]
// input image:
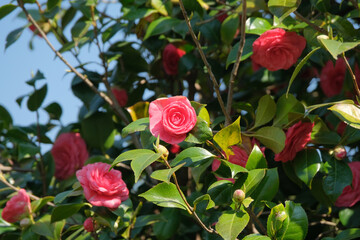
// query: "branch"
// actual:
[[203, 57], [353, 77], [257, 221], [10, 169], [235, 69], [314, 26]]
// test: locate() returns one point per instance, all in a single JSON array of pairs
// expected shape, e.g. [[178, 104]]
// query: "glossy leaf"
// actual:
[[284, 106], [247, 51], [165, 195], [256, 237], [298, 225], [165, 174], [221, 192], [191, 157], [348, 113], [267, 188], [13, 36], [254, 178], [160, 26], [231, 224], [283, 8], [5, 117], [36, 98], [278, 222], [6, 9], [271, 137], [167, 228], [200, 133], [159, 6], [139, 164], [256, 25], [306, 164], [229, 136], [266, 110], [228, 28], [54, 110], [136, 126], [336, 47], [256, 159], [349, 216], [139, 110], [348, 234], [207, 198], [65, 211], [131, 155]]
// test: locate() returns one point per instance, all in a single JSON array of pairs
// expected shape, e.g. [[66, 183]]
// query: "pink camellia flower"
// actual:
[[297, 136], [351, 194], [332, 77], [101, 186], [69, 153], [277, 49], [89, 225], [171, 118], [120, 95], [17, 207], [170, 59]]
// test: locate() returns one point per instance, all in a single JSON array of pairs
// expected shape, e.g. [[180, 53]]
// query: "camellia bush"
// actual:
[[208, 119]]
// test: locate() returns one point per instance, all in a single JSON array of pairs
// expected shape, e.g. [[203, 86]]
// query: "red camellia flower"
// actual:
[[170, 58], [34, 30], [297, 136], [17, 207], [332, 77], [101, 186], [277, 49], [175, 148], [171, 118], [69, 153], [120, 95], [89, 225], [351, 194]]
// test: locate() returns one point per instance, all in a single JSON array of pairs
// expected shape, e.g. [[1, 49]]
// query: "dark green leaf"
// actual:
[[200, 133], [271, 137], [231, 224], [54, 110], [192, 156], [221, 192], [298, 225], [136, 126], [160, 26], [165, 229], [247, 51], [206, 197], [266, 110], [144, 220], [283, 8], [267, 188], [348, 234], [26, 150], [13, 36], [254, 178], [284, 106], [139, 164], [65, 211], [36, 205], [5, 117], [349, 217], [228, 28], [6, 9], [306, 164], [52, 3], [36, 98]]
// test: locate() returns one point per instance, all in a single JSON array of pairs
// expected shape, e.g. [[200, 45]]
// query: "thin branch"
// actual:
[[353, 77], [203, 57], [15, 169], [214, 17], [314, 26], [257, 221], [235, 69]]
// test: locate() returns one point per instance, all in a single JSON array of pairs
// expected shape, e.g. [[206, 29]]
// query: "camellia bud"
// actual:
[[25, 222], [163, 150], [89, 224], [339, 152], [239, 196]]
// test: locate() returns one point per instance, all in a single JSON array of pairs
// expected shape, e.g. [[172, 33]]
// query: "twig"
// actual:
[[214, 17], [317, 28], [16, 169], [235, 69], [216, 149], [257, 221], [353, 77], [323, 222], [203, 57]]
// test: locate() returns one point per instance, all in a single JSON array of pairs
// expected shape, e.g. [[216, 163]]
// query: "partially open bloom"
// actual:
[[351, 194], [120, 95], [297, 136], [170, 58], [89, 225], [101, 186], [69, 153], [17, 207], [171, 118], [277, 49]]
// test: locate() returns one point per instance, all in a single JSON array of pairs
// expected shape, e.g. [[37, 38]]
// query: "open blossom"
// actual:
[[351, 194], [277, 49], [297, 136], [171, 118], [170, 58], [120, 95], [89, 225], [101, 186], [69, 153], [332, 77], [17, 207]]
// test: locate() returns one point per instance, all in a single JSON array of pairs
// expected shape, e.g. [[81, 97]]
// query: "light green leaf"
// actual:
[[136, 126], [256, 159], [131, 155], [165, 195], [159, 6], [349, 113], [254, 178], [266, 110], [256, 25], [256, 237], [140, 163], [191, 156], [165, 174], [336, 47], [284, 106], [278, 222], [298, 225], [160, 26], [231, 224], [271, 137], [306, 164], [229, 136]]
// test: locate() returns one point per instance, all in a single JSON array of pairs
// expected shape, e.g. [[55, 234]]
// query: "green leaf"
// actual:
[[13, 36], [191, 157], [6, 9], [165, 174], [65, 211], [221, 192], [144, 220], [167, 228], [284, 106], [231, 224], [267, 188], [140, 163], [348, 234], [165, 195], [161, 25], [5, 117], [256, 159], [79, 29], [283, 8], [298, 68], [278, 222], [256, 25], [349, 113], [336, 47], [136, 126], [339, 176], [271, 137], [62, 196], [266, 110], [228, 28], [36, 205], [306, 164], [54, 110], [159, 6], [97, 130], [206, 197], [36, 98], [247, 51], [253, 179], [52, 3], [131, 155], [298, 225], [256, 237], [47, 229], [200, 133], [229, 136], [349, 217]]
